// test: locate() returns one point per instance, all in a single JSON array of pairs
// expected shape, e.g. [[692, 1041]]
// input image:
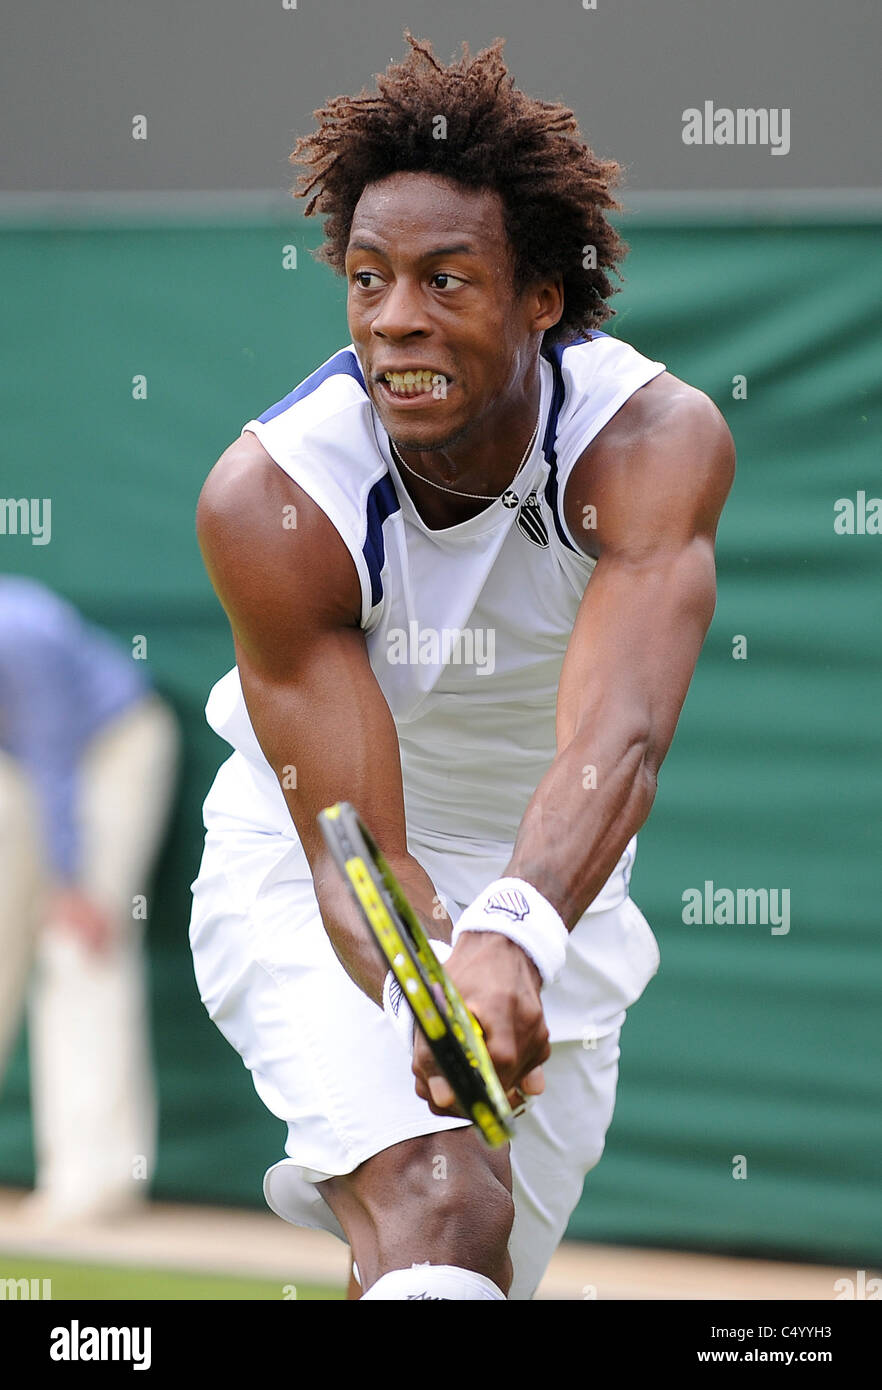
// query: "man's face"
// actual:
[[429, 268]]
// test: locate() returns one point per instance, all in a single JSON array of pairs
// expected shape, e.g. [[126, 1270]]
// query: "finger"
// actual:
[[445, 1111], [428, 1084], [422, 1089], [441, 1092], [533, 1083], [422, 1055]]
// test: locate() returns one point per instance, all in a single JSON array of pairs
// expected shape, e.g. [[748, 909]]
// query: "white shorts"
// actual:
[[325, 1060]]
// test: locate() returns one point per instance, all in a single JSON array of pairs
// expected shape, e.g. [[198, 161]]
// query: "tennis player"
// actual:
[[403, 546]]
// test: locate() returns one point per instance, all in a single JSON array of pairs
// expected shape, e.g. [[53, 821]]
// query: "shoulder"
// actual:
[[669, 431], [331, 403], [666, 456], [266, 542], [243, 494], [594, 377], [665, 402]]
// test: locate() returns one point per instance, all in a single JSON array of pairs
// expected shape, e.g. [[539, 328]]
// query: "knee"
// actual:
[[466, 1195], [460, 1195]]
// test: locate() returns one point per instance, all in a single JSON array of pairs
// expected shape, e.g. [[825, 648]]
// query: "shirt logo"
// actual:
[[510, 499], [510, 902], [531, 521]]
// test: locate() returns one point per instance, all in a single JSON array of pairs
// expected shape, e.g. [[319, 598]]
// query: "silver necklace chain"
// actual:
[[474, 496]]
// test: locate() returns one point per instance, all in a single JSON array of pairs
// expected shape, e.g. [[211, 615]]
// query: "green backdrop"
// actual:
[[747, 1043]]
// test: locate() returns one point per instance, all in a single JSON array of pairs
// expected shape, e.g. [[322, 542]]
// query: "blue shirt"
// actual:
[[61, 682]]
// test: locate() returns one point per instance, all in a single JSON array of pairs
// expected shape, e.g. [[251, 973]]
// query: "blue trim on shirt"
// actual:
[[558, 394], [554, 356], [343, 363], [382, 503]]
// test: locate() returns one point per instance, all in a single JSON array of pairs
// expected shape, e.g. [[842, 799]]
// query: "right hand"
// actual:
[[501, 986]]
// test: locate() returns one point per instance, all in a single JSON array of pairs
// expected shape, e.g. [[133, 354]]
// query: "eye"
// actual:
[[360, 275], [446, 275]]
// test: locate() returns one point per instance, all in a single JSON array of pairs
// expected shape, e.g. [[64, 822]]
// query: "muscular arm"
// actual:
[[658, 476], [293, 600]]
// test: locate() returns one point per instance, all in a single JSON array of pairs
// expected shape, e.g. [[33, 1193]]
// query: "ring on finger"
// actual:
[[522, 1102]]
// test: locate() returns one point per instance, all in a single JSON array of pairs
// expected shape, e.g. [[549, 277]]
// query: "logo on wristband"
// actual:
[[396, 994], [511, 902]]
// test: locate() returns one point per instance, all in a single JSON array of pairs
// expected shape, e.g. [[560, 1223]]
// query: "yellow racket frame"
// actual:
[[493, 1117]]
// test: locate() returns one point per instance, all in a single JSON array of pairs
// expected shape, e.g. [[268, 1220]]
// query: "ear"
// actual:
[[545, 305]]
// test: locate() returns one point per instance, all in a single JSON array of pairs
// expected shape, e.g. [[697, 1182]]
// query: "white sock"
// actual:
[[444, 1282]]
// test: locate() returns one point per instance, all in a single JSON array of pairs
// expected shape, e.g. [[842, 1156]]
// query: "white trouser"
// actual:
[[326, 1060], [92, 1091]]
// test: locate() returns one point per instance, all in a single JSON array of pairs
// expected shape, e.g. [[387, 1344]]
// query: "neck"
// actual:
[[483, 460]]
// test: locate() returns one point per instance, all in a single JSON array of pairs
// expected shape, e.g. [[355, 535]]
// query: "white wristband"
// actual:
[[395, 1006], [518, 910]]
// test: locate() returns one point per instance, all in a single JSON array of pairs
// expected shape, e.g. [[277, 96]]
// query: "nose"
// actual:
[[402, 311]]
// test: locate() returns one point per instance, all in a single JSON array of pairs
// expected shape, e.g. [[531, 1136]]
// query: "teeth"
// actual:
[[412, 383]]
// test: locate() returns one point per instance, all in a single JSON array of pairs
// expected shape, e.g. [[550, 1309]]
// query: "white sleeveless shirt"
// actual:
[[466, 627]]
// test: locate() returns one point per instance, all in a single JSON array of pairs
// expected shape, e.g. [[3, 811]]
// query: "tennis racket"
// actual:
[[451, 1030]]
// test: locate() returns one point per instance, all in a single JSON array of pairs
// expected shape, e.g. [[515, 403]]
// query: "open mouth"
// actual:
[[422, 382]]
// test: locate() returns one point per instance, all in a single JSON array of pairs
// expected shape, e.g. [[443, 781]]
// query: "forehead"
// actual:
[[415, 211]]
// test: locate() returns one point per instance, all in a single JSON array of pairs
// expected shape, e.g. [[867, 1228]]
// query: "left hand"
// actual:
[[500, 985]]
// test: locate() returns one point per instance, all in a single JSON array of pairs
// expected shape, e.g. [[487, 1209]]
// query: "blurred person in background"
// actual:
[[88, 760]]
